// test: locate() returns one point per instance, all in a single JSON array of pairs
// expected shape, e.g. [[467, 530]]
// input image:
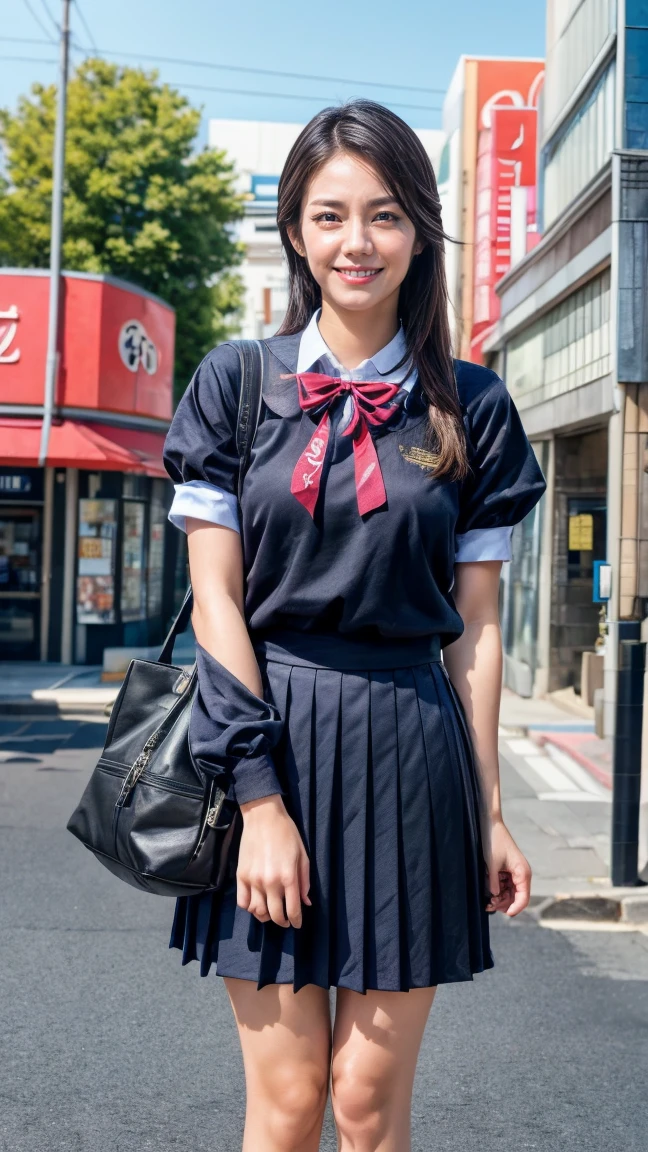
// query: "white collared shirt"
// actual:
[[205, 501]]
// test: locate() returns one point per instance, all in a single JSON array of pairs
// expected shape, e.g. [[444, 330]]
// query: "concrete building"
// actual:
[[259, 149], [571, 343]]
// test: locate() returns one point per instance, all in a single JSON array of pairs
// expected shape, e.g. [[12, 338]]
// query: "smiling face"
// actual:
[[356, 238]]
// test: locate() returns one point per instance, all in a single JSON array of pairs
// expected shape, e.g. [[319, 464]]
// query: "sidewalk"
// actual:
[[31, 688], [557, 802], [566, 727]]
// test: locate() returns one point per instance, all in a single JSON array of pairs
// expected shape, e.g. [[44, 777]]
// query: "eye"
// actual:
[[386, 216], [326, 218]]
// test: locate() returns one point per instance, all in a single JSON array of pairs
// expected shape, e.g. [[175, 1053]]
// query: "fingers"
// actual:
[[493, 879], [258, 905], [274, 897], [521, 883], [304, 878], [243, 892], [293, 904]]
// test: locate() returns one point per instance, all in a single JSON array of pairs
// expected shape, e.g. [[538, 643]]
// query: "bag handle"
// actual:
[[253, 361]]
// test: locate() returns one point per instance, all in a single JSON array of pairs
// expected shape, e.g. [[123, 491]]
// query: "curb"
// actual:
[[623, 906], [28, 707], [52, 708], [556, 739]]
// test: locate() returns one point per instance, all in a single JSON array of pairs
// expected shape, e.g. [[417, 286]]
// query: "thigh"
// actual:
[[284, 1034], [377, 1037]]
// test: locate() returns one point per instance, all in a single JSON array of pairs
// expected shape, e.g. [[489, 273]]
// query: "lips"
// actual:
[[358, 275]]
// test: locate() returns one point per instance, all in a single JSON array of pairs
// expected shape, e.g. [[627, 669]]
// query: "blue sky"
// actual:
[[415, 43]]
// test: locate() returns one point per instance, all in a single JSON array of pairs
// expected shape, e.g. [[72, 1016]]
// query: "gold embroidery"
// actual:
[[416, 455]]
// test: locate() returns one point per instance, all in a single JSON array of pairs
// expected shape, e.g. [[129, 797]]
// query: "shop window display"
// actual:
[[133, 586], [96, 561]]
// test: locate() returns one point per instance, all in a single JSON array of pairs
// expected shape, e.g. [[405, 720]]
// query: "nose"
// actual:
[[357, 239]]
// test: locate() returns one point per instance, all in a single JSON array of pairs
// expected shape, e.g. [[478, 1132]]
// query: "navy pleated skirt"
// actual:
[[378, 770]]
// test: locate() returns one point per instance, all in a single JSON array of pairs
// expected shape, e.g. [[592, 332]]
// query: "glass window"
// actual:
[[157, 528], [581, 149], [133, 590], [568, 347], [577, 31], [97, 535], [636, 110]]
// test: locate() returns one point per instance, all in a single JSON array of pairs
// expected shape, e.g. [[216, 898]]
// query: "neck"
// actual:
[[357, 336]]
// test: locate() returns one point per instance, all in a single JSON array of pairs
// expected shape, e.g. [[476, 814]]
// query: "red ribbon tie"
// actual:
[[370, 405]]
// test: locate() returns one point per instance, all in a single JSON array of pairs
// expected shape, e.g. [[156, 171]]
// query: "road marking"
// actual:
[[579, 775], [591, 926], [553, 775]]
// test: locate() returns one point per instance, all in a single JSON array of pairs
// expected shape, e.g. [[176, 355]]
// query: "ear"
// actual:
[[295, 240]]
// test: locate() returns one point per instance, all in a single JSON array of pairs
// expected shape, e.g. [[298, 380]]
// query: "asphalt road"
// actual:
[[108, 1045]]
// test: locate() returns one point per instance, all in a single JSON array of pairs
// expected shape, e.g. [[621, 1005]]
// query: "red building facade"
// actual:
[[87, 557]]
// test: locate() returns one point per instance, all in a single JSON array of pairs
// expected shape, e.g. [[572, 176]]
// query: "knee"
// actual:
[[294, 1103], [360, 1100]]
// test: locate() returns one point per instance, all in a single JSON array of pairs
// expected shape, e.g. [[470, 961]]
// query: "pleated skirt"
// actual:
[[377, 765]]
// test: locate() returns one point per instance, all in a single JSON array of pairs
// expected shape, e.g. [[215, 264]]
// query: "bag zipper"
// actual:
[[119, 770]]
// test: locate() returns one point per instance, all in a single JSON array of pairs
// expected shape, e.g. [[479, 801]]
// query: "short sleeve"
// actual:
[[505, 480], [203, 501], [201, 442]]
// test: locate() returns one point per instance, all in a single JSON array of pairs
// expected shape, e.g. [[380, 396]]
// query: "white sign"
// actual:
[[8, 335], [136, 349]]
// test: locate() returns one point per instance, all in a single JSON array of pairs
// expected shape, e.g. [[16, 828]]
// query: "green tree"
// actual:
[[140, 201]]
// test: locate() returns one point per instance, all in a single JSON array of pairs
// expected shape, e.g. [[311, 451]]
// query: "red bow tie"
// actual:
[[370, 399]]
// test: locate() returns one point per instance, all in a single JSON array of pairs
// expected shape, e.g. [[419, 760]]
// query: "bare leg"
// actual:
[[376, 1041], [286, 1043]]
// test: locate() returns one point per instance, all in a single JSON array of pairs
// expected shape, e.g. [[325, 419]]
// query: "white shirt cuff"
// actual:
[[483, 544], [204, 501]]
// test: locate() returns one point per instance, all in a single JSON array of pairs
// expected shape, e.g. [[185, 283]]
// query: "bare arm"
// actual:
[[474, 664], [216, 564], [273, 870]]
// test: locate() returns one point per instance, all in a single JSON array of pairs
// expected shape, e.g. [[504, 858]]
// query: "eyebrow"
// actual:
[[377, 203]]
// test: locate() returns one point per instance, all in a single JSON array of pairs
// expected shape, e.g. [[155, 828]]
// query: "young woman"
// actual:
[[376, 511]]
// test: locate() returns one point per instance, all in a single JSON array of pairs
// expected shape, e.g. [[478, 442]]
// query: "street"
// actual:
[[108, 1045]]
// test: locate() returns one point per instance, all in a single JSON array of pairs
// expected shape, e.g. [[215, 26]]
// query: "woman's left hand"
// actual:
[[509, 872]]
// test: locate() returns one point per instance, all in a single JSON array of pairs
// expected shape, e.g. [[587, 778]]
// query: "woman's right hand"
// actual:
[[273, 873]]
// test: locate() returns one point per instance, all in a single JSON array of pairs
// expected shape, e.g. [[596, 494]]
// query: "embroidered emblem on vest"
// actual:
[[416, 455]]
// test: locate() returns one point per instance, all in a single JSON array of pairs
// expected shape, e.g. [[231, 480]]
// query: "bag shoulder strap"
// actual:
[[253, 359], [252, 355]]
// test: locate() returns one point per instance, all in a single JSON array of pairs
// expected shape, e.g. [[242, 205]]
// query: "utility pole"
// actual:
[[56, 237]]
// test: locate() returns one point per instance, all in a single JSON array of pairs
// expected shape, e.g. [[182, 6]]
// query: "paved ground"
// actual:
[[558, 814], [108, 1045]]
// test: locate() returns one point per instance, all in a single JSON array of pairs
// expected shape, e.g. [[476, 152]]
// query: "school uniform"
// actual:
[[349, 543]]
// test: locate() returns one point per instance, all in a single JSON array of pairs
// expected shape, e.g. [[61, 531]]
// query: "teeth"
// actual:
[[361, 275]]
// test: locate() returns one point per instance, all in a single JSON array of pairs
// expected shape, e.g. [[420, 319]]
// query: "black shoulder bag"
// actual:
[[148, 813]]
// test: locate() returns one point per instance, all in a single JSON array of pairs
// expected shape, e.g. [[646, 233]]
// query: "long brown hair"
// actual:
[[379, 137]]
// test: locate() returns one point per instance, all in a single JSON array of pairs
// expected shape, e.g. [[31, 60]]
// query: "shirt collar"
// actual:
[[313, 347]]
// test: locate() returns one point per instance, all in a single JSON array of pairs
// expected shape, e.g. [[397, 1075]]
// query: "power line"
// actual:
[[271, 72], [29, 59], [50, 17], [25, 40], [87, 30], [234, 67], [290, 95], [38, 20]]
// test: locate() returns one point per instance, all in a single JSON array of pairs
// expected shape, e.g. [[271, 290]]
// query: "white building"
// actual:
[[258, 149]]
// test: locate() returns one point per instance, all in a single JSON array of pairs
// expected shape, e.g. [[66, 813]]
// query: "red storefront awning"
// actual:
[[96, 447]]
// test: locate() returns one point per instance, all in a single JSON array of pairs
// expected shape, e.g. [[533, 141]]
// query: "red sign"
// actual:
[[506, 162], [116, 351]]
